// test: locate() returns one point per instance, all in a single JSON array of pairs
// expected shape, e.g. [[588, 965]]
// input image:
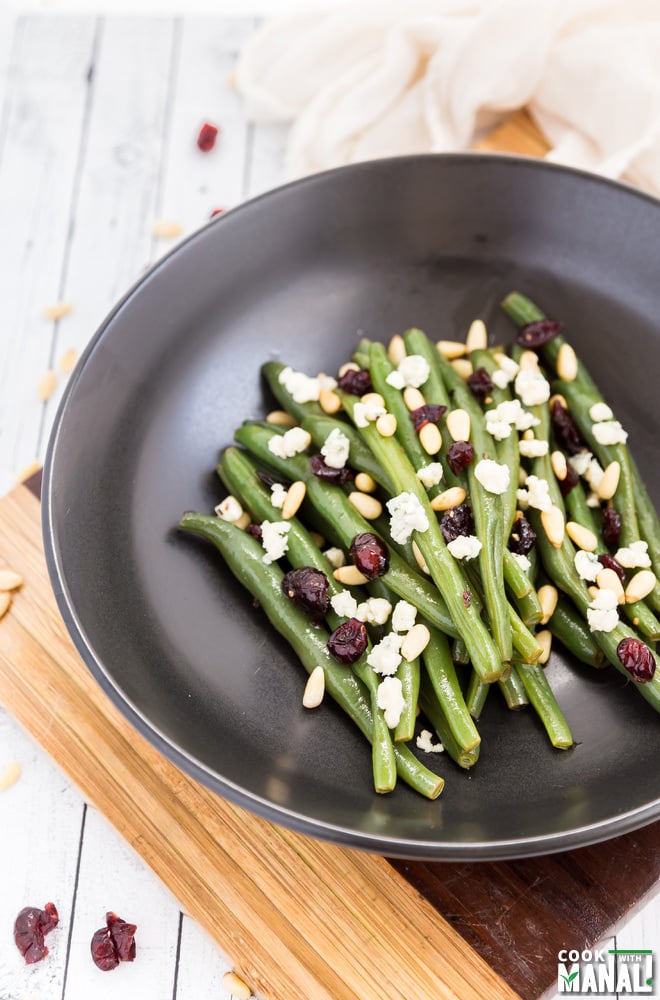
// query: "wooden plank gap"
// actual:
[[74, 897], [177, 957]]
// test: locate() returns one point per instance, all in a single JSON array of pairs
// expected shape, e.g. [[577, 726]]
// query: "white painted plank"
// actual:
[[115, 203], [194, 182], [112, 877], [201, 966], [40, 820], [265, 169], [10, 37], [47, 101]]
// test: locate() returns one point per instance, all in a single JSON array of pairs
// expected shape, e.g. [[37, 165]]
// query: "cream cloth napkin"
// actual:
[[368, 79]]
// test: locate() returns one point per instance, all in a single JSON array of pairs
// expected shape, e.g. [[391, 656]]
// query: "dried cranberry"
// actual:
[[254, 530], [307, 588], [609, 562], [522, 537], [569, 482], [208, 133], [430, 413], [565, 429], [370, 555], [328, 473], [637, 658], [480, 383], [113, 943], [216, 211], [467, 598], [269, 481], [457, 521], [30, 926], [349, 641], [611, 527], [459, 456], [538, 334], [356, 382]]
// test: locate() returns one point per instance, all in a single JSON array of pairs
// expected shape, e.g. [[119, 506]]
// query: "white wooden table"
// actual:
[[98, 120]]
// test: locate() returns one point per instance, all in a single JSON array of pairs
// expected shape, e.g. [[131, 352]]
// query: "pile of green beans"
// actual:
[[488, 620]]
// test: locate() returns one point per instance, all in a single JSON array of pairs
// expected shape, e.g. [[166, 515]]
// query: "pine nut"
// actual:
[[522, 476], [559, 466], [430, 439], [386, 425], [548, 597], [396, 349], [236, 986], [640, 586], [314, 688], [528, 359], [415, 642], [5, 603], [57, 310], [68, 361], [10, 775], [365, 483], [451, 349], [558, 398], [318, 539], [593, 591], [419, 559], [47, 385], [463, 366], [413, 398], [553, 525], [9, 580], [293, 499], [610, 481], [583, 537], [329, 401], [350, 576], [366, 505], [567, 363], [544, 639], [243, 521], [374, 398], [477, 337], [449, 499], [458, 425], [164, 229], [528, 435], [607, 579], [280, 418], [349, 366]]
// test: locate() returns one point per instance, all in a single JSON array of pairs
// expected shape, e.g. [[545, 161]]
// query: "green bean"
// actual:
[[567, 626], [434, 712], [441, 672], [244, 556], [476, 695], [409, 674], [271, 371], [459, 652], [547, 708], [513, 689], [529, 609], [578, 510]]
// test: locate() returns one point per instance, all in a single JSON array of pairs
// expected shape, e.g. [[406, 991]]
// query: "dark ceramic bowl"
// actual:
[[299, 275]]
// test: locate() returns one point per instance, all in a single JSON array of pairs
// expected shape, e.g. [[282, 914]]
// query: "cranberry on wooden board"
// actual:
[[348, 641], [370, 555], [637, 658], [538, 334], [307, 588], [30, 926], [357, 383]]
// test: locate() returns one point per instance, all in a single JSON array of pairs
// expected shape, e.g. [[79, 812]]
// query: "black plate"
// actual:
[[298, 275]]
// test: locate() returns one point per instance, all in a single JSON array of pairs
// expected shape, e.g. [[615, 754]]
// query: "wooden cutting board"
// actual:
[[301, 919]]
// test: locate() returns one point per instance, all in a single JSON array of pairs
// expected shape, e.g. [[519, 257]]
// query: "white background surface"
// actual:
[[98, 119]]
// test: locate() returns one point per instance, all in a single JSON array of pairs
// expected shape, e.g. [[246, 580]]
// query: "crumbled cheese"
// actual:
[[274, 539], [385, 656], [301, 387], [580, 462], [634, 556], [412, 370], [335, 557], [425, 742], [602, 614], [277, 495], [344, 604], [532, 387], [326, 381], [391, 700], [403, 616], [291, 443], [587, 565], [366, 413], [593, 501], [506, 415], [533, 448], [506, 372], [609, 432], [600, 411], [430, 475], [594, 474], [535, 494], [465, 547], [493, 476], [374, 611], [229, 509], [522, 561], [335, 449], [406, 515]]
